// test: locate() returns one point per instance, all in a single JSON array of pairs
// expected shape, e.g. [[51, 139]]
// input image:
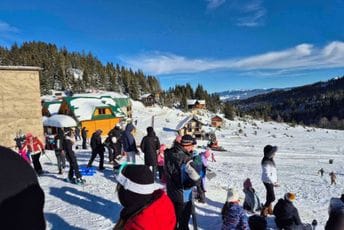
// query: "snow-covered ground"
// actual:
[[302, 152]]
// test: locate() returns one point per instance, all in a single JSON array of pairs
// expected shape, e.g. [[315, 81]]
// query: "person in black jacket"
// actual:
[[150, 145], [129, 143], [181, 177], [336, 220], [287, 216], [73, 163], [21, 197], [97, 148], [113, 143], [59, 153], [84, 137]]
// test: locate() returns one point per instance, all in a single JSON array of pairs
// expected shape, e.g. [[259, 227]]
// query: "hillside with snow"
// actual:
[[302, 152]]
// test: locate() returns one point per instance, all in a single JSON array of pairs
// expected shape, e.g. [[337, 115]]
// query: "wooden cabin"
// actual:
[[148, 99], [92, 113], [216, 121], [196, 104], [192, 126]]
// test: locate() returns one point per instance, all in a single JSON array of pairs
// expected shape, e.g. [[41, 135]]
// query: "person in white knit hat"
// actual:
[[233, 215]]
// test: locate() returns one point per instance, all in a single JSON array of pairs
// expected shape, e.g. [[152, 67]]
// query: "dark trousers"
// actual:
[[183, 213], [36, 164], [101, 161], [61, 160], [270, 194], [161, 171], [73, 166], [84, 146]]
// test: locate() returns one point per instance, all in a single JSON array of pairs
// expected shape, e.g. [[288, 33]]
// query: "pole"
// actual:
[[153, 121]]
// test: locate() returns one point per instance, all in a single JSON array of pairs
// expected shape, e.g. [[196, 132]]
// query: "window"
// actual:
[[101, 111]]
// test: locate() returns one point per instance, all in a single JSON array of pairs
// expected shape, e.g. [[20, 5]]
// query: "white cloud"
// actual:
[[213, 4], [253, 14], [7, 28], [300, 57]]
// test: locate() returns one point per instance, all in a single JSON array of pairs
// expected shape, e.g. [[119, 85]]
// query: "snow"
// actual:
[[302, 152], [60, 121], [54, 108], [84, 107]]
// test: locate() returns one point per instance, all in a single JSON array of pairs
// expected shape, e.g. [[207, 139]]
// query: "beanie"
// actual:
[[290, 196], [188, 140]]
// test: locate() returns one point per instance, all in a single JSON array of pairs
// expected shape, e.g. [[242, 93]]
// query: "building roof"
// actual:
[[84, 107], [146, 95], [216, 116], [26, 68], [186, 120], [52, 106], [193, 101]]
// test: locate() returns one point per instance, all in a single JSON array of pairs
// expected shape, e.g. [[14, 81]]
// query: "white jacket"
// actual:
[[269, 173]]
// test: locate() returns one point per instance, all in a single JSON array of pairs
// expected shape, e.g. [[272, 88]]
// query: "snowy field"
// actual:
[[302, 152]]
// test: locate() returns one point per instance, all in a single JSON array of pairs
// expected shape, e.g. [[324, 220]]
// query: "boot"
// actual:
[[270, 212], [264, 212]]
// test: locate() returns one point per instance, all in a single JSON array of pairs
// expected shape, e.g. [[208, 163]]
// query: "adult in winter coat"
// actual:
[[129, 143], [251, 202], [97, 148], [21, 197], [233, 215], [59, 153], [287, 216], [35, 148], [150, 145], [145, 204], [336, 203], [181, 177], [68, 142], [84, 137], [336, 220], [269, 177], [113, 143]]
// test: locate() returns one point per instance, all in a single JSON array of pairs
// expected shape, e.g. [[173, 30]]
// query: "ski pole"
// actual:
[[47, 157]]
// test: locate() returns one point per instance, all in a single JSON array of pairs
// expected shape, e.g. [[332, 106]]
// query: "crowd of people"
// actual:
[[170, 180]]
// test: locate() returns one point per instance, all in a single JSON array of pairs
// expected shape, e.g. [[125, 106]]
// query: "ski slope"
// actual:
[[302, 152]]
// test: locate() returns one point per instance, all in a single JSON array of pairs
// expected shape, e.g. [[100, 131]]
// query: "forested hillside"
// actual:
[[320, 104]]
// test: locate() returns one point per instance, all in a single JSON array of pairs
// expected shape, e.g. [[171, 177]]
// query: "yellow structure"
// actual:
[[92, 113], [20, 103]]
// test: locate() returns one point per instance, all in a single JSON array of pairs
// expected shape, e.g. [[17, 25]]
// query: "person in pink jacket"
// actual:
[[161, 163], [35, 148]]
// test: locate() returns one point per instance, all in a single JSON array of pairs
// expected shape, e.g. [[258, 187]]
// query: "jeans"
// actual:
[[183, 213], [131, 157], [270, 194], [36, 164], [61, 160]]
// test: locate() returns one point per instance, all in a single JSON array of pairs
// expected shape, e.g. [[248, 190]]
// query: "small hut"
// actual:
[[196, 104], [216, 121], [148, 99], [191, 125]]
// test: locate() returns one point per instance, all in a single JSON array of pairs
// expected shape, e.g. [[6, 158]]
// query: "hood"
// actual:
[[129, 128], [150, 131]]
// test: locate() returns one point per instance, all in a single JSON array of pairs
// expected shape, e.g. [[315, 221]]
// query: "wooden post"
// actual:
[[153, 121]]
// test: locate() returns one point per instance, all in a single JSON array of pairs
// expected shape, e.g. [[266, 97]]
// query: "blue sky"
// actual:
[[222, 44]]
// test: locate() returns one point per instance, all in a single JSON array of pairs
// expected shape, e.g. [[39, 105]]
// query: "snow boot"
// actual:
[[80, 181]]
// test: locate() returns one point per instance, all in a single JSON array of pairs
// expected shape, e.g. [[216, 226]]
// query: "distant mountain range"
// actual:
[[232, 95]]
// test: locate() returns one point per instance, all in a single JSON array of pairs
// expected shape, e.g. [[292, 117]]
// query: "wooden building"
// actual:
[[20, 103], [196, 104], [148, 99], [50, 108], [192, 126], [92, 113], [217, 121]]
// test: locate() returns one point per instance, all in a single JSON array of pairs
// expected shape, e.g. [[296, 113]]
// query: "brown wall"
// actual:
[[20, 104]]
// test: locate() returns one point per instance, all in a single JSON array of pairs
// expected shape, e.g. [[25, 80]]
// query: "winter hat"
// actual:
[[137, 179], [269, 151], [247, 183], [232, 195], [188, 140], [290, 196], [21, 197]]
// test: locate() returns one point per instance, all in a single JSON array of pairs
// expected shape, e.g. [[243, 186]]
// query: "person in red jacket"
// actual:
[[145, 204], [34, 147]]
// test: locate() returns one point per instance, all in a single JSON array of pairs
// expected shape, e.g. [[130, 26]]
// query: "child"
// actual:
[[213, 157], [25, 155], [252, 202], [161, 163], [233, 215], [333, 178]]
